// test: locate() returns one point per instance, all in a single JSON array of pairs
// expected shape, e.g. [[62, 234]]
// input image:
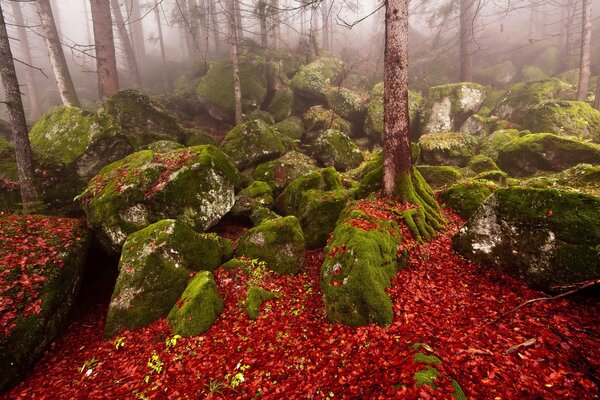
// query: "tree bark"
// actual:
[[132, 65], [325, 13], [571, 35], [17, 117], [238, 20], [194, 27], [214, 16], [396, 146], [34, 105], [106, 62], [137, 31], [233, 53], [161, 43], [276, 20], [57, 57], [88, 29], [586, 41], [203, 11], [467, 20], [261, 8]]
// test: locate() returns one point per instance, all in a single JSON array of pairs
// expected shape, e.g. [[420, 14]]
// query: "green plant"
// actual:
[[172, 341], [155, 364], [119, 343], [88, 366], [216, 386], [236, 379]]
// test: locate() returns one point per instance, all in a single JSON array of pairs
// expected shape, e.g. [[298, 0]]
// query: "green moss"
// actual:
[[197, 137], [292, 127], [467, 197], [438, 176], [565, 118], [335, 149], [280, 172], [533, 73], [447, 148], [281, 104], [258, 194], [198, 307], [427, 359], [482, 163], [264, 116], [8, 163], [498, 177], [492, 144], [255, 297], [347, 104], [426, 376], [374, 119], [318, 119], [370, 177], [499, 74], [163, 146], [313, 80]]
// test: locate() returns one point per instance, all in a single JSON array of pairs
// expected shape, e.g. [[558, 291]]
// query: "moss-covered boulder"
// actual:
[[581, 175], [545, 152], [347, 104], [313, 80], [334, 149], [491, 145], [38, 286], [215, 89], [533, 73], [438, 176], [547, 237], [565, 118], [500, 74], [8, 163], [318, 119], [252, 143], [255, 297], [154, 270], [360, 262], [466, 197], [262, 115], [198, 308], [447, 148], [281, 172], [370, 176], [481, 163], [448, 106], [5, 130], [195, 185], [163, 146], [316, 199], [292, 127], [498, 177], [281, 104], [278, 242], [258, 194]]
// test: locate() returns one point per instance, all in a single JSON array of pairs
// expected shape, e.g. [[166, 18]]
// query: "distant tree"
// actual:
[[238, 19], [261, 12], [467, 21], [137, 30], [214, 24], [325, 22], [233, 53], [400, 179], [586, 49], [17, 118], [274, 11], [128, 50], [106, 62], [66, 88], [161, 44]]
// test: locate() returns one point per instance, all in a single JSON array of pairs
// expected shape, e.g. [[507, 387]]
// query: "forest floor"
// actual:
[[291, 350]]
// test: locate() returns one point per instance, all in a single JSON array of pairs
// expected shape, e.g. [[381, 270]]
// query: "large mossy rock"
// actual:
[[316, 199], [281, 172], [466, 197], [252, 143], [334, 149], [545, 152], [318, 119], [215, 89], [313, 80], [281, 104], [448, 106], [198, 308], [292, 127], [278, 242], [547, 237], [438, 176], [360, 262], [154, 270], [447, 148], [565, 118], [195, 185], [491, 145], [347, 104], [39, 285], [257, 195]]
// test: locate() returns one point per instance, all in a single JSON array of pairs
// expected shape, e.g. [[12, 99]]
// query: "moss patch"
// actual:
[[281, 172], [439, 176], [565, 118], [448, 148], [255, 297], [335, 149], [467, 197]]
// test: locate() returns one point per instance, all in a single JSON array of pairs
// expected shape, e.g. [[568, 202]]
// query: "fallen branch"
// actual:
[[580, 286]]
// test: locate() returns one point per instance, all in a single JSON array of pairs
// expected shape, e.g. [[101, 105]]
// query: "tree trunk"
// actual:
[[132, 65], [571, 35], [137, 31], [233, 53], [261, 8], [533, 20], [467, 20], [106, 62], [276, 20], [17, 118], [325, 12], [88, 30], [203, 9], [214, 16], [57, 57], [161, 43], [586, 40], [194, 28], [34, 105], [238, 20]]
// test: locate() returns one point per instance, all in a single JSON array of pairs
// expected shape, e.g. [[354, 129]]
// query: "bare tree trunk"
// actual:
[[467, 20], [88, 29], [276, 20], [17, 117], [132, 65], [161, 43], [396, 146], [238, 20], [214, 16], [586, 41], [193, 27], [137, 31], [106, 61], [34, 105], [57, 57], [261, 8], [571, 36], [203, 9], [325, 12], [233, 52]]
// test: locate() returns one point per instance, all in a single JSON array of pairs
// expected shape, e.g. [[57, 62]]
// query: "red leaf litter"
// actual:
[[548, 350]]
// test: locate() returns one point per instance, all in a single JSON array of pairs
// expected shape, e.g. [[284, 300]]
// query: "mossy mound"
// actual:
[[439, 176], [38, 292], [448, 106], [313, 80], [258, 194], [360, 262], [154, 270], [216, 87], [198, 137], [5, 130], [316, 199], [481, 163], [466, 197], [281, 172], [252, 143], [447, 148], [278, 242], [547, 237], [497, 75], [515, 104], [318, 119], [281, 104], [255, 297], [532, 73], [347, 104], [292, 127], [8, 163], [195, 185], [541, 152], [198, 308], [163, 146], [334, 149], [262, 115], [565, 118], [491, 145], [581, 175], [498, 177], [370, 176]]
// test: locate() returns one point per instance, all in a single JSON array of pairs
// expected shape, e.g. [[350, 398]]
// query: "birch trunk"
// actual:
[[132, 65], [233, 53], [106, 62], [586, 41]]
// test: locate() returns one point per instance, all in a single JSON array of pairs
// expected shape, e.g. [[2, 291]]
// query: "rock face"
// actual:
[[278, 242], [281, 172], [491, 145], [257, 195], [154, 270], [334, 149], [360, 262], [347, 104], [449, 106], [439, 176], [545, 152], [252, 143], [318, 119], [194, 185], [281, 104], [313, 80], [292, 127], [545, 236], [198, 308], [565, 118], [448, 148], [30, 321]]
